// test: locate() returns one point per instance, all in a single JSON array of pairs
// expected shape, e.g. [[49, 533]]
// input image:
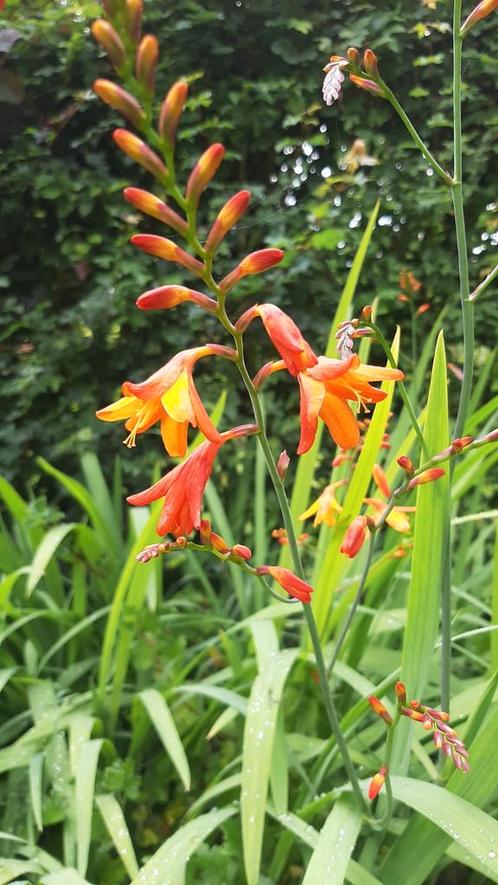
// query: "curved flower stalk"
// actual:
[[329, 389]]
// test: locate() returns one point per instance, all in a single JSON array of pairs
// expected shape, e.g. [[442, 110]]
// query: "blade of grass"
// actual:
[[115, 822], [83, 796], [44, 553], [335, 844], [163, 722]]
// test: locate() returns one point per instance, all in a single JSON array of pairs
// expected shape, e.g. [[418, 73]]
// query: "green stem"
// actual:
[[446, 177], [484, 285]]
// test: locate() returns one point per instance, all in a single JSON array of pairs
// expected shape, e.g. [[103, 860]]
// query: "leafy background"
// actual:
[[69, 332]]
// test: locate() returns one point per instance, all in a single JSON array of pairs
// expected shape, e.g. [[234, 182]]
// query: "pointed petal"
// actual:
[[174, 435], [122, 408], [176, 400], [201, 417], [340, 421], [311, 398], [398, 521]]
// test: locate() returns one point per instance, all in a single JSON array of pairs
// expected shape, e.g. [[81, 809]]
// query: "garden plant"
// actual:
[[356, 665]]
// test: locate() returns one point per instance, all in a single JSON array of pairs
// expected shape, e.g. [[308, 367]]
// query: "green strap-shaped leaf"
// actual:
[[335, 844], [83, 796], [163, 722], [44, 553], [259, 733], [115, 822], [167, 866], [430, 538]]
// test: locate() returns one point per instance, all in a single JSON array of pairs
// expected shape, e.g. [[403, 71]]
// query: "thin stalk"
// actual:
[[438, 169], [484, 285]]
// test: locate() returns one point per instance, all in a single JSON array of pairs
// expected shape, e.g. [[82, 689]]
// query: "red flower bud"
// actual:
[[427, 476], [146, 61], [120, 100], [254, 263], [142, 154], [205, 532], [133, 18], [354, 537], [379, 709], [109, 39], [400, 691], [203, 171], [370, 63], [353, 55], [406, 464], [482, 10], [283, 464], [380, 480], [368, 85], [377, 783], [241, 551], [166, 297], [295, 587], [227, 217], [366, 313], [152, 205], [167, 250], [171, 110]]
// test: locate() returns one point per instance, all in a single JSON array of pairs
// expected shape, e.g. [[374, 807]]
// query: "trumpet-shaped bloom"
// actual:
[[326, 389], [183, 487], [326, 507], [397, 518], [283, 334], [170, 397]]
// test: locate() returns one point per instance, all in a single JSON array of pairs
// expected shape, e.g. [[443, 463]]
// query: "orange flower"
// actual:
[[170, 397], [397, 518], [183, 487], [325, 389], [283, 334], [377, 783], [294, 586], [326, 507]]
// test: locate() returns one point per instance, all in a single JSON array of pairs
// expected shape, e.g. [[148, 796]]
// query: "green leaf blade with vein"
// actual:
[[335, 845], [163, 722]]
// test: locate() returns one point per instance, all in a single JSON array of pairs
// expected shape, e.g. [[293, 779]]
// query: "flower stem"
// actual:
[[484, 285], [446, 177]]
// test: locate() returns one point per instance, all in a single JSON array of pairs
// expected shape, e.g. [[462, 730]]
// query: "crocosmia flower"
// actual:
[[183, 487], [294, 586], [326, 507], [283, 333], [170, 397]]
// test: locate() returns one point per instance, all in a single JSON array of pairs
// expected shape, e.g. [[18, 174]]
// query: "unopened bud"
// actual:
[[283, 464], [353, 55], [181, 542], [146, 62], [241, 551], [140, 152], [370, 63], [368, 85], [166, 249], [152, 205], [406, 464], [203, 171], [366, 314], [117, 97], [133, 18], [377, 783], [219, 543], [256, 262], [380, 480], [227, 217], [379, 709], [171, 110], [205, 532], [427, 476], [354, 537], [482, 10], [109, 39], [166, 297], [400, 691], [489, 437]]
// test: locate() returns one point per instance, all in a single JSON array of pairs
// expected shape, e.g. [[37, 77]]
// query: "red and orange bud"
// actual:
[[406, 464], [370, 63], [379, 709], [146, 61], [400, 692], [133, 18], [227, 217], [181, 542], [109, 39], [295, 587], [366, 314], [166, 297], [267, 370], [171, 110], [422, 309], [354, 537], [482, 10], [353, 55], [380, 480], [203, 171], [256, 262], [166, 249], [218, 543], [241, 551], [461, 443], [205, 532], [377, 783], [137, 150], [368, 85], [152, 205], [427, 476], [120, 100], [416, 715], [283, 464]]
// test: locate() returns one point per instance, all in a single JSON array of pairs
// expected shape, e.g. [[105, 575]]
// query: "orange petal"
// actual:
[[311, 398], [174, 436], [122, 408], [340, 421], [398, 521]]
